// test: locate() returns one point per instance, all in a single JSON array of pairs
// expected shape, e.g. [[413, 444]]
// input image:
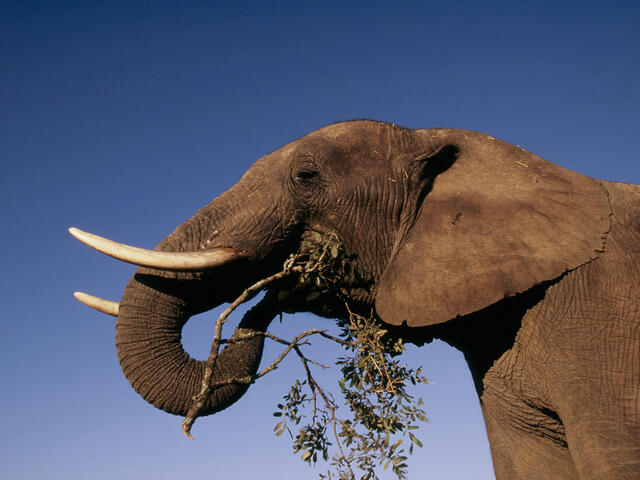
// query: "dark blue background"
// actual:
[[123, 118]]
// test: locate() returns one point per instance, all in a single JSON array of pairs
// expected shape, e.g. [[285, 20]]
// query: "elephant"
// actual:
[[530, 269]]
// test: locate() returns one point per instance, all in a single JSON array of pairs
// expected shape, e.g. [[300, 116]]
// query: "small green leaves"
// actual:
[[394, 446], [414, 439], [280, 428]]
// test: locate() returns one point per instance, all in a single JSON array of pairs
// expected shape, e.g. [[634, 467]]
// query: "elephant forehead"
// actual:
[[385, 138], [345, 156], [339, 130], [363, 148], [312, 145]]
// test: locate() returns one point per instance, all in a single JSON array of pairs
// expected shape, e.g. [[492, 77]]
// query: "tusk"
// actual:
[[174, 261], [99, 304]]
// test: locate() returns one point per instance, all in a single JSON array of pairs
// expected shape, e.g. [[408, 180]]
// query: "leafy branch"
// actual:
[[382, 416]]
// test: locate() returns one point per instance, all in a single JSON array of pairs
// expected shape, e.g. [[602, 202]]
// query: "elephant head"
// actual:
[[437, 224]]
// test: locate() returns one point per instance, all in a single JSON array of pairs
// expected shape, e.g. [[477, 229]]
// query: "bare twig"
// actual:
[[205, 391]]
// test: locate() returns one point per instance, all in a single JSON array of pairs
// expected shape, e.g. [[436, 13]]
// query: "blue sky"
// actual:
[[123, 118]]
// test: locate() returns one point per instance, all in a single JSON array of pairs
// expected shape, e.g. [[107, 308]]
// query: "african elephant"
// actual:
[[531, 270]]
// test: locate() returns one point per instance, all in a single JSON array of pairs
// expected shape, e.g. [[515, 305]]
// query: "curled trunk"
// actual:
[[157, 303], [153, 311]]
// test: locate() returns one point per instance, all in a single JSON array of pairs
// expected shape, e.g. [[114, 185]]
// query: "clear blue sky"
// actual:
[[123, 118]]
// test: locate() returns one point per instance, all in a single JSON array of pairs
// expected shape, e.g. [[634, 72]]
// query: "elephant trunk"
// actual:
[[148, 341], [206, 261]]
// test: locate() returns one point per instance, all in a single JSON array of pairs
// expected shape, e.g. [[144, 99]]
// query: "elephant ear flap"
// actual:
[[496, 222]]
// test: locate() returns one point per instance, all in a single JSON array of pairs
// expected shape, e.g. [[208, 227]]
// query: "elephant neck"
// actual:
[[485, 336]]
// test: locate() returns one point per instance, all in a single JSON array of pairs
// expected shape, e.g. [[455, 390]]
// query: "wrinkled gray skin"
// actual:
[[529, 269]]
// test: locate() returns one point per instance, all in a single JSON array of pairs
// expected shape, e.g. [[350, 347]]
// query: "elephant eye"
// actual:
[[306, 177]]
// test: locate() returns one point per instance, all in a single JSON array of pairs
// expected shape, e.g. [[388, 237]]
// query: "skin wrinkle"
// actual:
[[267, 241], [530, 339], [515, 422], [392, 223], [150, 354], [157, 390], [141, 366], [373, 225], [349, 216], [570, 304], [500, 433], [369, 225], [344, 212], [145, 377], [185, 376], [357, 218], [386, 222]]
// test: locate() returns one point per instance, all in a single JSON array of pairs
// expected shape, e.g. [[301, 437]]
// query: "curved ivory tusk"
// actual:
[[99, 304], [174, 261]]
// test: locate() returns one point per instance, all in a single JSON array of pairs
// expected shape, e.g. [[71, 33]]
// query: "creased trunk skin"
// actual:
[[148, 340], [156, 305]]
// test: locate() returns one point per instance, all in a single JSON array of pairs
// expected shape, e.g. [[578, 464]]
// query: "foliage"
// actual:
[[381, 414]]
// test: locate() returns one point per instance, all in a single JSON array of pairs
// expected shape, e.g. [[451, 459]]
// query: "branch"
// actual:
[[201, 399], [292, 265], [329, 404], [370, 377]]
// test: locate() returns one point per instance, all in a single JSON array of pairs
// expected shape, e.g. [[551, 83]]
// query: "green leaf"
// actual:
[[399, 459], [280, 428], [415, 440], [394, 446]]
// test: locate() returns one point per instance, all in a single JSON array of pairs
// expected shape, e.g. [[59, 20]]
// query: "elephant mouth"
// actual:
[[199, 265]]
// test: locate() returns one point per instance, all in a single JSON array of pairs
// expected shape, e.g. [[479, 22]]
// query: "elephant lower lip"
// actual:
[[201, 291]]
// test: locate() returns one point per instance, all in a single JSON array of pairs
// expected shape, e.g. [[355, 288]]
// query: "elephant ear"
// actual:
[[495, 221]]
